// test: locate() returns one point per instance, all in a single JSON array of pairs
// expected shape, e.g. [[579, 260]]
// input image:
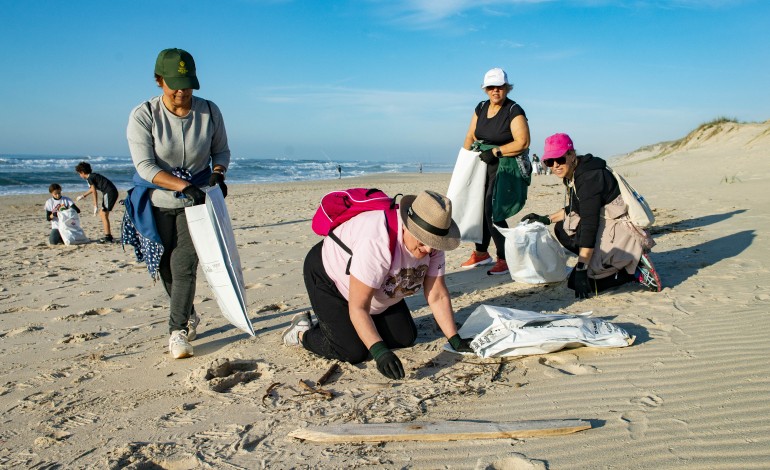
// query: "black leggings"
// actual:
[[334, 336], [489, 231], [598, 285]]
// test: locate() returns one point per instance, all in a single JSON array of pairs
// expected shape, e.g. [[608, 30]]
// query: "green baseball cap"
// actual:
[[177, 68]]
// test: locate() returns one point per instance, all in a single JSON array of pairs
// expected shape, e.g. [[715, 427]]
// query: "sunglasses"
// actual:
[[551, 161]]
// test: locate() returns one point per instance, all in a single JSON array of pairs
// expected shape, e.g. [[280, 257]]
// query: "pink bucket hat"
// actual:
[[556, 146]]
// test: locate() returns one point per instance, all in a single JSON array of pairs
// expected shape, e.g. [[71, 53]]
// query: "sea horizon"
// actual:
[[32, 174]]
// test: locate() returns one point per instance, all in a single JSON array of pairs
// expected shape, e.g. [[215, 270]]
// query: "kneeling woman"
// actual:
[[594, 224], [359, 301]]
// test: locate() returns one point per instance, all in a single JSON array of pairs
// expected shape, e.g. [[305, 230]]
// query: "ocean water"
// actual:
[[31, 174]]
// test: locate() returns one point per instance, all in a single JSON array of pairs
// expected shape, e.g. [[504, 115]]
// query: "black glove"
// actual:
[[387, 362], [582, 286], [487, 156], [543, 219], [462, 345], [194, 194], [218, 178]]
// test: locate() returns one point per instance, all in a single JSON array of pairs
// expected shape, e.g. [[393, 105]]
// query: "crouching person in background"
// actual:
[[594, 223]]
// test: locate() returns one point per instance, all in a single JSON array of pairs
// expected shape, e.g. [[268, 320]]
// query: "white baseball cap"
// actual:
[[495, 77]]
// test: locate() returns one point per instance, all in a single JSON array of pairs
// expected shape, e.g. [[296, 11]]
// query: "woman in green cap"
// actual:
[[178, 144]]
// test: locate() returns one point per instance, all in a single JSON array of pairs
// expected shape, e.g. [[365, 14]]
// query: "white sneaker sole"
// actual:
[[480, 263]]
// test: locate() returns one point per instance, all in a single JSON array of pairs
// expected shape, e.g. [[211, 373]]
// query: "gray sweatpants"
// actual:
[[178, 266]]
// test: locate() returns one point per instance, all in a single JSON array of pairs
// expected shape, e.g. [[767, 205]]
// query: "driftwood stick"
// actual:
[[325, 393], [269, 390], [325, 378]]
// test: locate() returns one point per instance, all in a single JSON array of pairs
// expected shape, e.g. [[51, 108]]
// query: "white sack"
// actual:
[[69, 227], [534, 256], [466, 191], [212, 235], [499, 331]]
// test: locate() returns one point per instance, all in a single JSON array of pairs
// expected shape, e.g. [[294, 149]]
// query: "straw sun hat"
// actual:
[[428, 216]]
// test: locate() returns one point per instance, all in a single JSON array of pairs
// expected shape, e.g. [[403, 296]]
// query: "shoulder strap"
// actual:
[[390, 219]]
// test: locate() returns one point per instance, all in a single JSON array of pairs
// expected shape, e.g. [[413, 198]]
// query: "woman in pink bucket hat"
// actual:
[[594, 223]]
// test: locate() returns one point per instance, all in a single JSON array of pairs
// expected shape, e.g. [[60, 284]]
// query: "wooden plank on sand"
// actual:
[[437, 431]]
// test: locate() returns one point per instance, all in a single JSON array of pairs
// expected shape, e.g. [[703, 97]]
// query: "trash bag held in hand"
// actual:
[[534, 256]]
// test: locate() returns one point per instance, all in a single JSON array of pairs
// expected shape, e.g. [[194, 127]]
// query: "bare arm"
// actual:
[[359, 306], [437, 295], [470, 136], [520, 131]]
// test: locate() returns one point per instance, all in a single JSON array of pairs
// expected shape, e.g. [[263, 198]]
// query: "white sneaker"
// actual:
[[192, 326], [299, 323], [178, 345]]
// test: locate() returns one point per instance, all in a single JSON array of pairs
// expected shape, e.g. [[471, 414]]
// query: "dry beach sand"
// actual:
[[86, 381]]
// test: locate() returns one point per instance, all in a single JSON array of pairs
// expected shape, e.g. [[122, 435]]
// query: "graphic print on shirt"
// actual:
[[406, 282]]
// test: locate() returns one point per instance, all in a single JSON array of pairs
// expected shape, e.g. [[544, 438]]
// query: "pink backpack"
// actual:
[[338, 207]]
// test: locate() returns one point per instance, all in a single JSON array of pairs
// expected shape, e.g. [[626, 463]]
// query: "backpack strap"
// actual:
[[391, 223]]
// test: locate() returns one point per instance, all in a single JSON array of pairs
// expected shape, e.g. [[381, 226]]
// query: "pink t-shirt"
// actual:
[[367, 236]]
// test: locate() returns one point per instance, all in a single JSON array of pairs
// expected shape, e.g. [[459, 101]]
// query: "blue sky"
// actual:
[[383, 79]]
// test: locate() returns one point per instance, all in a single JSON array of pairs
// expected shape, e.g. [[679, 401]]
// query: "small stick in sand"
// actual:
[[269, 390], [324, 378], [325, 393]]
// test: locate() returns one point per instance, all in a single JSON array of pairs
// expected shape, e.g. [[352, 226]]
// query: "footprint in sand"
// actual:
[[81, 337], [120, 297], [636, 420], [256, 285], [223, 375], [511, 462], [636, 423], [568, 365]]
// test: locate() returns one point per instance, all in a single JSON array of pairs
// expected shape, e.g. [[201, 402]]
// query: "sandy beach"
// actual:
[[87, 382]]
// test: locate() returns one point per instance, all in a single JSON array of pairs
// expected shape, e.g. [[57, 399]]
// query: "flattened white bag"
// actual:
[[69, 227], [507, 332], [466, 191], [534, 256], [639, 211]]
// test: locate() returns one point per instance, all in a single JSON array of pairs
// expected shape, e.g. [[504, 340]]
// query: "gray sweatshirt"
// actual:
[[163, 141]]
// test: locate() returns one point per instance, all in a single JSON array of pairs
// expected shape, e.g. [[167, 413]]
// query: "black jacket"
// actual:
[[595, 186]]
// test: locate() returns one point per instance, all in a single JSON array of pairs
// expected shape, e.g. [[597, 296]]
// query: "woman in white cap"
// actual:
[[358, 299], [178, 144], [594, 224], [499, 129]]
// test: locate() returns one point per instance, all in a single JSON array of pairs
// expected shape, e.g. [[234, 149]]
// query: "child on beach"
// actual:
[[97, 182], [53, 205]]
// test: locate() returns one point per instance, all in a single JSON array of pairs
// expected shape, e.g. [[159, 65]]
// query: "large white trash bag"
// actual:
[[466, 191], [212, 235], [499, 331], [534, 256], [69, 227]]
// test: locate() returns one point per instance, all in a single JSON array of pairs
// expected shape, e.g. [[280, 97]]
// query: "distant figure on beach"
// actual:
[[420, 167], [53, 205], [358, 299], [97, 182], [339, 170], [178, 144], [594, 225], [537, 168], [499, 129]]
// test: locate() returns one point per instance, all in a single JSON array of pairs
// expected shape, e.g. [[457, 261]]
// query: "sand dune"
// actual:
[[86, 380]]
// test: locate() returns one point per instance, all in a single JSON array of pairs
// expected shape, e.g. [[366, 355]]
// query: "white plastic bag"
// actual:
[[499, 331], [466, 191], [534, 256], [639, 211], [69, 227], [212, 235]]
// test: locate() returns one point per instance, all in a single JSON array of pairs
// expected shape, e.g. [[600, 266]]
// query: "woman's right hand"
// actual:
[[388, 363]]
